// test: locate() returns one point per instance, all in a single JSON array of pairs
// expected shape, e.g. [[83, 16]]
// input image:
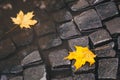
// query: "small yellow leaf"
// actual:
[[81, 55], [24, 20]]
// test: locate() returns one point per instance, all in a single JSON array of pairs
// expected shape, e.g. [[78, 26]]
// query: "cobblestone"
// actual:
[[105, 51], [56, 58], [88, 20], [97, 37], [49, 41], [34, 73], [62, 16], [107, 10], [89, 76], [22, 38], [82, 41], [79, 5], [113, 25], [67, 30], [108, 68], [17, 78], [44, 28], [7, 49]]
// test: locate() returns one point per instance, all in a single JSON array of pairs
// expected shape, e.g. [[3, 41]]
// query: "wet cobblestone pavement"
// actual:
[[38, 53]]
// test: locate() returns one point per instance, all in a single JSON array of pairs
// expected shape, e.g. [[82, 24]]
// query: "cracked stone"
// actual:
[[32, 57], [35, 73], [88, 20], [22, 37], [113, 25], [7, 47], [44, 28], [88, 76], [97, 38], [16, 78], [56, 58], [82, 41], [67, 30], [84, 68], [107, 68], [62, 16], [107, 10], [105, 51], [79, 5], [49, 41]]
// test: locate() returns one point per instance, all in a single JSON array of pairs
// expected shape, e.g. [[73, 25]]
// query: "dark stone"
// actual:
[[44, 28], [106, 10], [6, 48], [119, 7], [16, 78], [65, 78], [82, 41], [62, 16], [32, 57], [107, 68], [113, 25], [67, 30], [56, 58], [105, 51], [59, 73], [4, 77], [35, 73], [54, 5], [26, 51], [89, 76], [88, 20], [97, 38], [118, 42], [49, 41], [16, 69], [69, 1], [92, 2], [79, 5], [23, 37], [84, 68]]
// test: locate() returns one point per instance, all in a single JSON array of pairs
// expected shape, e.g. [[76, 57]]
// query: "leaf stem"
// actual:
[[9, 31]]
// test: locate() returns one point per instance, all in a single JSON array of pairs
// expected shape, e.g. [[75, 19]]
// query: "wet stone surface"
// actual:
[[78, 5], [106, 10], [107, 68], [62, 16], [17, 78], [67, 30], [113, 25], [32, 57], [56, 58], [88, 20], [34, 73], [49, 41], [97, 38], [44, 28], [7, 49], [89, 76], [22, 37], [38, 53], [82, 41], [105, 50]]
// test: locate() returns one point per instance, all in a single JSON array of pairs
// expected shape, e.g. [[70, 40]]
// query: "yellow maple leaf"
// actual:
[[24, 20], [81, 55]]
